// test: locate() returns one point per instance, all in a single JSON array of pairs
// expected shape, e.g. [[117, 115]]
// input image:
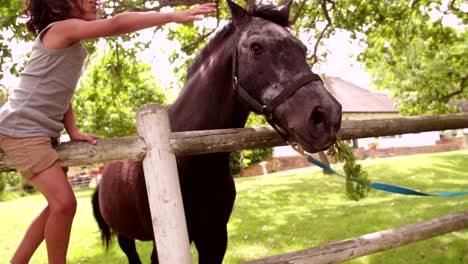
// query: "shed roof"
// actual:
[[355, 99]]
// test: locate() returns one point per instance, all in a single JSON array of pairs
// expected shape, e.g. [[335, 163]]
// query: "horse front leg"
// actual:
[[212, 245], [129, 248], [154, 255]]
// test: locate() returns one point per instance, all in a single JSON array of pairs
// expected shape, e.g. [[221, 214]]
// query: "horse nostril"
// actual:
[[318, 115]]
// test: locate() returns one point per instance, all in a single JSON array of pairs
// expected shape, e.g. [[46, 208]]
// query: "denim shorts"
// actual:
[[29, 156]]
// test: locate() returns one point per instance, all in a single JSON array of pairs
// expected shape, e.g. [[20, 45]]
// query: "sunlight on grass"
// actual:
[[312, 209], [289, 212]]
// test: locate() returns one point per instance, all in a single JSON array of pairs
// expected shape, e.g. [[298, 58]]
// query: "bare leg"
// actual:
[[54, 222], [33, 238]]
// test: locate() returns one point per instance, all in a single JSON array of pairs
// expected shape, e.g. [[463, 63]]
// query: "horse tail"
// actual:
[[106, 234]]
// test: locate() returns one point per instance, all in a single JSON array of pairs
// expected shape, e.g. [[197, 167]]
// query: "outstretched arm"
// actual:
[[74, 30]]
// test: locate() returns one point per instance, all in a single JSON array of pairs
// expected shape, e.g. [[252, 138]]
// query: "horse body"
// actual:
[[209, 101], [207, 186]]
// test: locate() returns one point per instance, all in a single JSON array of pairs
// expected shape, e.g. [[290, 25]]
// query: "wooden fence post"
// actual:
[[162, 184]]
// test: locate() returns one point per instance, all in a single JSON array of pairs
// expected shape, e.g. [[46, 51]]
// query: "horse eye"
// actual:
[[256, 48]]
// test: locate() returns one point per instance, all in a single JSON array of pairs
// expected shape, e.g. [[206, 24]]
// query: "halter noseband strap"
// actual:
[[267, 109], [289, 90]]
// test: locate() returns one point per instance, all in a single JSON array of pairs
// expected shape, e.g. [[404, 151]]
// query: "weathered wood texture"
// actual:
[[162, 185], [106, 150], [372, 243], [226, 140], [209, 141]]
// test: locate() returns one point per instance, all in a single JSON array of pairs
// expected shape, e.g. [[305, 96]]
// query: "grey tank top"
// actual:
[[36, 107]]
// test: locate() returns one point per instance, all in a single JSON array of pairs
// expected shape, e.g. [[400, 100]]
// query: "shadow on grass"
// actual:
[[114, 255]]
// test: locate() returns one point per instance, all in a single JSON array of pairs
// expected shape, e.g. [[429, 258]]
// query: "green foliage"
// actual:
[[115, 86], [409, 49], [11, 29], [2, 184], [13, 179], [429, 68], [252, 156], [235, 162], [191, 38], [248, 158], [357, 184], [256, 120], [3, 94], [10, 179]]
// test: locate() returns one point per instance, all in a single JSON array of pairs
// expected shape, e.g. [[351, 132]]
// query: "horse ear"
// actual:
[[239, 15], [285, 9]]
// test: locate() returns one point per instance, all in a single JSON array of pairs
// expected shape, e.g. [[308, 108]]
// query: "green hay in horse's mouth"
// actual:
[[357, 184]]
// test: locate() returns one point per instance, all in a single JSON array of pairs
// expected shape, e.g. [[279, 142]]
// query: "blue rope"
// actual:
[[383, 186]]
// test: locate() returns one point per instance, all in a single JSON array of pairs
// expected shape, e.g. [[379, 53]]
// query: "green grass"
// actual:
[[287, 212]]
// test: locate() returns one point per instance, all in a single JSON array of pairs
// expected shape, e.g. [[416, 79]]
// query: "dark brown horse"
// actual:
[[252, 64]]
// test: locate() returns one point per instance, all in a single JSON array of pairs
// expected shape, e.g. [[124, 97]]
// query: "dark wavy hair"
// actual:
[[41, 13]]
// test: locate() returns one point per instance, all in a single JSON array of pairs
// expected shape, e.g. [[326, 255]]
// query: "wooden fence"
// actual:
[[372, 243], [157, 147]]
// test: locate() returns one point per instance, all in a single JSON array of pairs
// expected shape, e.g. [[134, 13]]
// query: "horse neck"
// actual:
[[208, 100]]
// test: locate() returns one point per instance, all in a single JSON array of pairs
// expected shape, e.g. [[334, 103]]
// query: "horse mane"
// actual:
[[267, 12], [270, 13]]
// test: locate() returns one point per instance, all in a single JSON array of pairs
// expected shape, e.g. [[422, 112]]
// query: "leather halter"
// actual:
[[268, 109]]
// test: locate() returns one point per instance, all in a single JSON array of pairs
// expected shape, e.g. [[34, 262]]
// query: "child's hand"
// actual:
[[84, 137], [190, 15]]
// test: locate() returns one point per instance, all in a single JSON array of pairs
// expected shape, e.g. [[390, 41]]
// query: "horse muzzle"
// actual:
[[321, 128]]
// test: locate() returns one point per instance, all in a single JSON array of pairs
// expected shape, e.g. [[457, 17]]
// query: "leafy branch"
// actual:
[[202, 38], [327, 7]]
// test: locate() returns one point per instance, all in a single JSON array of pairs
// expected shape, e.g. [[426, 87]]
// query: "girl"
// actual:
[[39, 108]]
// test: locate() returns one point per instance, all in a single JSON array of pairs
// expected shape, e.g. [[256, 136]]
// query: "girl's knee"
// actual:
[[66, 206]]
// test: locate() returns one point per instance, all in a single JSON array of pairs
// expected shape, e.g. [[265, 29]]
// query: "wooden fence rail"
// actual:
[[157, 147], [226, 140], [371, 243]]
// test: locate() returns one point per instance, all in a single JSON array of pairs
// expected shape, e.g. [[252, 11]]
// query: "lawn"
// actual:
[[287, 212]]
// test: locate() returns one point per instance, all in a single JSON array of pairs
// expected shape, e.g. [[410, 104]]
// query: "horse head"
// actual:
[[271, 75]]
